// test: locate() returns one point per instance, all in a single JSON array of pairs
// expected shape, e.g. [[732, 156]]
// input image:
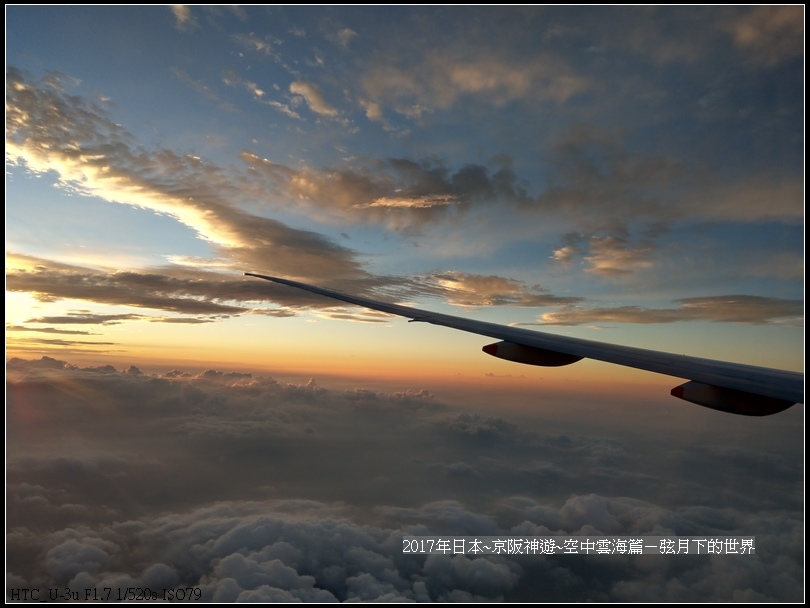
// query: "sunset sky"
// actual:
[[634, 176]]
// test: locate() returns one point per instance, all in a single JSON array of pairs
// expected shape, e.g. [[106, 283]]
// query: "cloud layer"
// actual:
[[721, 309], [251, 488]]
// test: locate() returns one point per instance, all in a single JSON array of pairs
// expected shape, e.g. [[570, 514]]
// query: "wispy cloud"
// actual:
[[419, 202], [203, 89], [49, 330], [608, 256], [465, 289], [770, 34], [439, 78], [205, 295], [597, 184], [198, 85], [255, 43], [359, 316], [612, 256], [177, 290], [232, 78], [313, 96], [345, 36], [49, 130], [721, 309], [85, 318], [65, 346], [397, 192], [184, 18]]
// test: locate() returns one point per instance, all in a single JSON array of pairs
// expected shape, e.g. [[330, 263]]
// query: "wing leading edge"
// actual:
[[729, 387]]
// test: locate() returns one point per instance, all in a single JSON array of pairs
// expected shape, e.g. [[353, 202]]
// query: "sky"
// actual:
[[629, 175]]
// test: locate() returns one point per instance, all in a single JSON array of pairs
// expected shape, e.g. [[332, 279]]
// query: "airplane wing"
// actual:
[[728, 387]]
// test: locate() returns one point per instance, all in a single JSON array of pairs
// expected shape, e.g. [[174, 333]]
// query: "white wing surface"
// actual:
[[729, 387]]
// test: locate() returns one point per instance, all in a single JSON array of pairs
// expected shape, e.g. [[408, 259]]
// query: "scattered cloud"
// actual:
[[141, 290], [238, 11], [465, 289], [720, 309], [597, 183], [311, 93], [49, 130], [253, 487], [210, 296], [359, 315], [255, 43], [770, 34], [345, 36], [184, 19], [232, 78], [373, 110], [440, 78], [612, 255], [399, 192], [206, 295], [593, 170]]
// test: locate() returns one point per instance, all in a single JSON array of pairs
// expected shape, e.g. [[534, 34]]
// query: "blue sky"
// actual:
[[622, 160], [631, 175]]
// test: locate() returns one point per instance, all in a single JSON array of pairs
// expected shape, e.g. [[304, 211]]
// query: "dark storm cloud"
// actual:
[[252, 488]]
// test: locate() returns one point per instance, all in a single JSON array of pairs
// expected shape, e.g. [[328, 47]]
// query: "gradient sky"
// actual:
[[628, 175]]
